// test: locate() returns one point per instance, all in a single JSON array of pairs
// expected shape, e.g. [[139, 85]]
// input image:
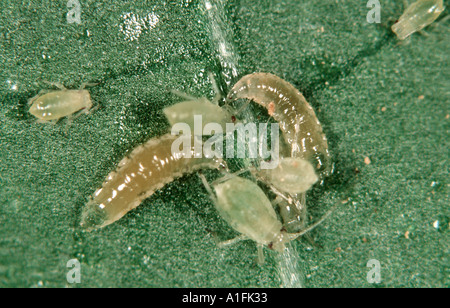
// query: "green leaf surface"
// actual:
[[377, 98]]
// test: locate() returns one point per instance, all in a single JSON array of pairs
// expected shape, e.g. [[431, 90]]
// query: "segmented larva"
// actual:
[[298, 122], [148, 168]]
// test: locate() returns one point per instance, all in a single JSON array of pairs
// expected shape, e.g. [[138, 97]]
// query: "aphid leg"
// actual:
[[41, 92], [85, 111], [56, 84], [215, 87], [231, 241], [88, 84], [183, 95], [260, 254], [208, 188], [293, 236], [437, 23], [424, 33], [228, 176], [281, 195], [239, 111], [31, 100], [40, 121]]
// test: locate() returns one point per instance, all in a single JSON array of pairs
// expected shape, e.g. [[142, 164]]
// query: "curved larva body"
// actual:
[[417, 16], [148, 168], [59, 104], [297, 120]]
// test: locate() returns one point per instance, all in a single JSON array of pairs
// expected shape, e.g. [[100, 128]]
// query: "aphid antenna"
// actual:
[[216, 89], [208, 188], [293, 236], [55, 84], [183, 95]]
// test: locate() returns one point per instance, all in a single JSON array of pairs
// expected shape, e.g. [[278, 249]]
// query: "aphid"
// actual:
[[290, 180], [298, 122], [148, 168], [245, 207], [210, 111], [293, 175], [417, 16], [184, 112], [55, 105]]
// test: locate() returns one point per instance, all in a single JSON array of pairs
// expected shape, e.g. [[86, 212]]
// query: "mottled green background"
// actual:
[[375, 96]]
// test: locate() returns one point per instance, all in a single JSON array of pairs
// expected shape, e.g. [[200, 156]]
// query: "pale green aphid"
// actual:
[[184, 113], [245, 207], [293, 175], [210, 112], [417, 16], [55, 105]]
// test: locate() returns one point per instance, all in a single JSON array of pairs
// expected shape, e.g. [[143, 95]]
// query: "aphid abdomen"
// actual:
[[247, 209], [298, 122], [148, 168], [417, 16]]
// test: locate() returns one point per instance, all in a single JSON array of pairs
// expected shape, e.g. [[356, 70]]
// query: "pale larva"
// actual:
[[148, 168], [297, 120], [417, 16]]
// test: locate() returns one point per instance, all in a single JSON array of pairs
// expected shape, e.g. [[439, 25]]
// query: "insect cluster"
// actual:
[[239, 201]]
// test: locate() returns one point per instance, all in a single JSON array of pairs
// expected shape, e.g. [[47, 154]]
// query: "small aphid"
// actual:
[[209, 111], [59, 104], [245, 207], [417, 16], [293, 175], [148, 168], [184, 112], [297, 120]]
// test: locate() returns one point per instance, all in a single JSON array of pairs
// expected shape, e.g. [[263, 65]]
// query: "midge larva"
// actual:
[[417, 16], [297, 120], [148, 168], [245, 207], [55, 105]]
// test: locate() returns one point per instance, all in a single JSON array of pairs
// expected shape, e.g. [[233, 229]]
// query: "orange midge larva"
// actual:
[[298, 122], [148, 168]]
